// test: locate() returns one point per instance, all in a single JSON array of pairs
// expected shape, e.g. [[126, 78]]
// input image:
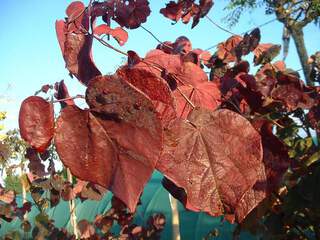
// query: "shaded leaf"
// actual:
[[182, 45], [265, 53], [173, 10], [67, 192], [54, 198], [248, 44], [35, 165], [187, 9], [226, 50], [133, 59], [76, 51], [314, 117], [292, 97], [62, 93], [86, 229], [131, 13]]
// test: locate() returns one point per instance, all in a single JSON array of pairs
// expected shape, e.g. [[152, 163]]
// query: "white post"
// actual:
[[175, 218], [72, 207]]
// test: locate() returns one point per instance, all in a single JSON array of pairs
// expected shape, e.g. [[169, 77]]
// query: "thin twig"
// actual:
[[69, 98], [154, 36], [186, 104], [103, 42], [185, 97], [220, 27]]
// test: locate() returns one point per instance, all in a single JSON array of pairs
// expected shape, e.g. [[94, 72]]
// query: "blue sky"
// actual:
[[31, 57]]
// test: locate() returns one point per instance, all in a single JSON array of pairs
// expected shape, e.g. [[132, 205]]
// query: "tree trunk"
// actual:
[[298, 38]]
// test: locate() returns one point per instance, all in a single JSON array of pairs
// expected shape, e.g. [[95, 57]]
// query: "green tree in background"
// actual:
[[13, 182], [294, 14]]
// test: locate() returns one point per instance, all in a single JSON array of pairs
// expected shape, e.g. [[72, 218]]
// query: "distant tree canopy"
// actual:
[[294, 15]]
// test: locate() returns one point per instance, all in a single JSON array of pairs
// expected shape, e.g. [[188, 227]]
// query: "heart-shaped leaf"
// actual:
[[216, 158]]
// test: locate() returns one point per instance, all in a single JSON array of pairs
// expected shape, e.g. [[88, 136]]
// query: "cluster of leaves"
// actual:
[[187, 9], [3, 147], [223, 143], [120, 214], [314, 61], [48, 187]]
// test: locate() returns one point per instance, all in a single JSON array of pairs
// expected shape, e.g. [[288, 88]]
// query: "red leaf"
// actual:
[[203, 56], [78, 17], [191, 74], [215, 157], [111, 139], [60, 31], [159, 62], [36, 122], [76, 51], [131, 13], [154, 87], [112, 97], [75, 9], [118, 33]]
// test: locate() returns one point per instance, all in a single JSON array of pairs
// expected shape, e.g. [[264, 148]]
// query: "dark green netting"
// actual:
[[155, 199]]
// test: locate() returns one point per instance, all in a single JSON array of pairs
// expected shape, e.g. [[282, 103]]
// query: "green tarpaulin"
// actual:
[[155, 199]]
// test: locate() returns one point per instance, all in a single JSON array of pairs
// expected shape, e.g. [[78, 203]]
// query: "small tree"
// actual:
[[235, 145]]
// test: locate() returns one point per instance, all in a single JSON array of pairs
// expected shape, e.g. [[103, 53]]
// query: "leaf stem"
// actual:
[[69, 98]]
